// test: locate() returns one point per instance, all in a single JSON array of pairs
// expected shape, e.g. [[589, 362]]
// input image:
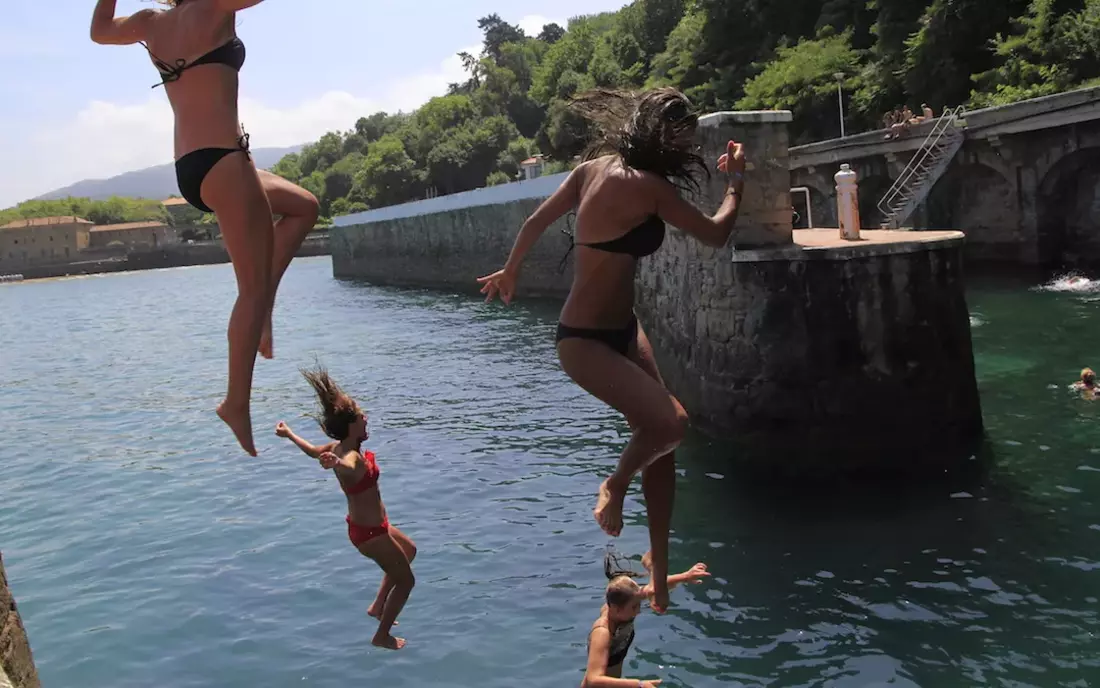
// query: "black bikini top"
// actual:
[[639, 242], [231, 54]]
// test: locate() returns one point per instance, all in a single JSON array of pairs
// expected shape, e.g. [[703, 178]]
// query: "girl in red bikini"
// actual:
[[368, 526]]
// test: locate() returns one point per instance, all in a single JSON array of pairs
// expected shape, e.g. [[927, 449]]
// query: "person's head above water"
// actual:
[[624, 599], [652, 131], [1088, 377], [340, 418]]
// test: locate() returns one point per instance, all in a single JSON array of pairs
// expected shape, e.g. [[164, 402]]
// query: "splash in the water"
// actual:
[[1072, 282]]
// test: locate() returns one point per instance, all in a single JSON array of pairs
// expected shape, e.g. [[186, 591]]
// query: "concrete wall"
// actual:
[[16, 662], [451, 249]]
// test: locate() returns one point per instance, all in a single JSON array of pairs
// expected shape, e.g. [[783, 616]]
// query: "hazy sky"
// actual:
[[72, 110]]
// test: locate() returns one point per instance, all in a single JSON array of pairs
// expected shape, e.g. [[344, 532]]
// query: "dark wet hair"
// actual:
[[648, 131], [338, 410], [616, 564]]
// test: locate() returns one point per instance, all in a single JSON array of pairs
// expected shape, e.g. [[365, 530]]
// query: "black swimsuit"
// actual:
[[639, 242], [192, 168]]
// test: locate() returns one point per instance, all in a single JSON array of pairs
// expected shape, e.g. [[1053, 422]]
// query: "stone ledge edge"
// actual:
[[746, 117], [838, 253]]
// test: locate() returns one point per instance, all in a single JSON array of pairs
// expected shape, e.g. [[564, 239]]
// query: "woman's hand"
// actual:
[[501, 282], [732, 162], [328, 460], [282, 429], [651, 683], [696, 574]]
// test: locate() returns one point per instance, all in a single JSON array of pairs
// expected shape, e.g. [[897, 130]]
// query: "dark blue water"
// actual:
[[146, 550]]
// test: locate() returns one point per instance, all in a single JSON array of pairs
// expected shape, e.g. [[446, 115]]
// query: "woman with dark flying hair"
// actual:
[[624, 193], [194, 46], [369, 527]]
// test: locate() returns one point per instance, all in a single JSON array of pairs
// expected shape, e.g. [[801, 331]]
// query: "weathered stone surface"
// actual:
[[452, 249], [821, 365], [16, 663]]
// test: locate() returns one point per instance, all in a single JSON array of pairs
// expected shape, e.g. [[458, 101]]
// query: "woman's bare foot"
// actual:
[[609, 509], [376, 613], [267, 347], [388, 642], [239, 420]]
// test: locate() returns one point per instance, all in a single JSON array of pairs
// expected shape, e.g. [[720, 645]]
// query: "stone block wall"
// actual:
[[451, 249], [16, 663], [818, 365], [764, 218]]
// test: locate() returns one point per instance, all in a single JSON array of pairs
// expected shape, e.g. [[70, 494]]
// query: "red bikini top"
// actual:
[[369, 479]]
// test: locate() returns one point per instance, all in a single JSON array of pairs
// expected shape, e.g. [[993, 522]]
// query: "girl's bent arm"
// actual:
[[107, 30], [713, 231]]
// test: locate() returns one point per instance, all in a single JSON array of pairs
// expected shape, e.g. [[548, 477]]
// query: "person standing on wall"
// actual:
[[624, 193], [195, 48]]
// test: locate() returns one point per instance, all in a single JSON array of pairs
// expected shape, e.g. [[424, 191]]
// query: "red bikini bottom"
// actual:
[[359, 534]]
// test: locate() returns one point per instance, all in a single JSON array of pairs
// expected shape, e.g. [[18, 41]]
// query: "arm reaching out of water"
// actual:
[[712, 231], [563, 200], [692, 576], [311, 450], [595, 674], [109, 30]]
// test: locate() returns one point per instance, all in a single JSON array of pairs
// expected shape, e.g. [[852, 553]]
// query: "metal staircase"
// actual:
[[920, 175]]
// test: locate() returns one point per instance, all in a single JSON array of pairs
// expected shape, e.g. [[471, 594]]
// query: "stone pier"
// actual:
[[16, 664], [815, 354]]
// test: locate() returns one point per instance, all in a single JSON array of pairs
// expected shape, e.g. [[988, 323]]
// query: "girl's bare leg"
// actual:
[[657, 419], [659, 488], [387, 553], [298, 211], [384, 589], [233, 190]]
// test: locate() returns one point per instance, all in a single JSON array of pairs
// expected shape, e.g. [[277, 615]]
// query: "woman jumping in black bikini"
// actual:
[[196, 50], [624, 197]]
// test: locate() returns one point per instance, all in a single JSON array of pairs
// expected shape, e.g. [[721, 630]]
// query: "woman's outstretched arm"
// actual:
[[110, 30], [311, 450], [562, 201]]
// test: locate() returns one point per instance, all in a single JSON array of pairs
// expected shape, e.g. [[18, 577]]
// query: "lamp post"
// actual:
[[840, 98]]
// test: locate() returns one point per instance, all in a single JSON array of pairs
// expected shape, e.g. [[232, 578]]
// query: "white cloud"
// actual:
[[532, 24], [106, 139]]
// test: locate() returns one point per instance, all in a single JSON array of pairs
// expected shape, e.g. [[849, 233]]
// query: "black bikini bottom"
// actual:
[[192, 169], [618, 339]]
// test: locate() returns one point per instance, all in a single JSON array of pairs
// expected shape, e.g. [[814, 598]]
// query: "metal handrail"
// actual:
[[809, 206], [938, 131]]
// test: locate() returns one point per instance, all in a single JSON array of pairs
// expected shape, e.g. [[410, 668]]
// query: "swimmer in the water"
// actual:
[[611, 636], [1086, 384], [194, 46], [624, 194], [369, 528]]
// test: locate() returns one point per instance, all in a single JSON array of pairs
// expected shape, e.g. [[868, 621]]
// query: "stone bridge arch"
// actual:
[[980, 200], [1068, 209]]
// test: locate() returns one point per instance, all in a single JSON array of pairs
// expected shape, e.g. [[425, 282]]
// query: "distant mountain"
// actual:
[[154, 182]]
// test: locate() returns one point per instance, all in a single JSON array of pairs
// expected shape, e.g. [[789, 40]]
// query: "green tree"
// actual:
[[388, 175], [801, 80]]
